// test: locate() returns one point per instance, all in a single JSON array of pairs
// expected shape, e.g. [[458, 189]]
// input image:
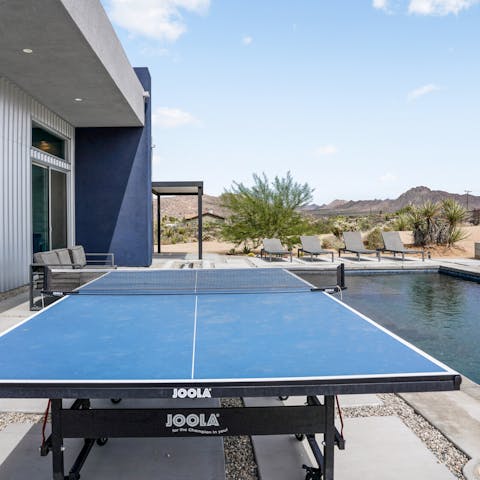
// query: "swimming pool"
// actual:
[[436, 312]]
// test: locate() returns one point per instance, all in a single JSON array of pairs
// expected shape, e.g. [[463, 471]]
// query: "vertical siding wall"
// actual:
[[17, 110]]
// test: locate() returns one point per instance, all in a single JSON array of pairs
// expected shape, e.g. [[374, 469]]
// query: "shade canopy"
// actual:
[[179, 188]]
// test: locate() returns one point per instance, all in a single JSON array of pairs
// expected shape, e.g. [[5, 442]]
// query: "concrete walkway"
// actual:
[[377, 447]]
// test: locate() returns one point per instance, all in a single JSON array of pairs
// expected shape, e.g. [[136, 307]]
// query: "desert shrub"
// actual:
[[343, 224], [365, 223], [374, 240], [332, 243]]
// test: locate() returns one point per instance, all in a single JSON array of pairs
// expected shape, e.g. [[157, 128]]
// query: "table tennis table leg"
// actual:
[[57, 441], [329, 437]]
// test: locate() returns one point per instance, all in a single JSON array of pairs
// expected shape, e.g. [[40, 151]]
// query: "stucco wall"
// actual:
[[113, 189]]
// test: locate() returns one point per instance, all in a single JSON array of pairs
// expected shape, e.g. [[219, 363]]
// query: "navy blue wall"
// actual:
[[113, 185]]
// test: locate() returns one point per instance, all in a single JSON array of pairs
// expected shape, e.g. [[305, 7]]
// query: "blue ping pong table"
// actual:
[[205, 333]]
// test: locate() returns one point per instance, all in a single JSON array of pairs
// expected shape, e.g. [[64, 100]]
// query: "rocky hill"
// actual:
[[182, 206], [186, 206], [414, 196]]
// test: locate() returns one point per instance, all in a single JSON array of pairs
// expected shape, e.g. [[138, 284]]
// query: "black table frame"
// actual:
[[95, 425]]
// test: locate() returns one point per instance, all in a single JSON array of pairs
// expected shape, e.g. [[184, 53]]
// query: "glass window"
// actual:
[[47, 142]]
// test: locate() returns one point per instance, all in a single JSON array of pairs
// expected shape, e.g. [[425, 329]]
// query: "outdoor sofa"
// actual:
[[273, 246], [393, 244], [354, 244], [66, 269], [312, 245]]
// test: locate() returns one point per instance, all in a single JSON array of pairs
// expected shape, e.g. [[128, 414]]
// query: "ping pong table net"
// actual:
[[171, 282]]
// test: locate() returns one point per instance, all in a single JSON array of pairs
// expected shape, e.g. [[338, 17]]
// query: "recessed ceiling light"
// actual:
[[79, 99], [27, 50]]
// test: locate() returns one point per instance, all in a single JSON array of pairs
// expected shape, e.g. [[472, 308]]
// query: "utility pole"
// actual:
[[467, 192]]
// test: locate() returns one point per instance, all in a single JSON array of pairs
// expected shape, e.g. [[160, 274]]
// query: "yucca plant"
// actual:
[[402, 222], [453, 212], [417, 221], [455, 235]]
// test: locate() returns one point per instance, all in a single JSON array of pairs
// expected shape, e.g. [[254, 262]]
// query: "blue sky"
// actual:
[[361, 99]]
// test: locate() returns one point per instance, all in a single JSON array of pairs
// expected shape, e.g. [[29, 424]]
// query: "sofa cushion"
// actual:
[[64, 258], [38, 258], [77, 254], [50, 258]]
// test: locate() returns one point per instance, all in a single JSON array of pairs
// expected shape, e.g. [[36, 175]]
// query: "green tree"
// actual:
[[266, 210]]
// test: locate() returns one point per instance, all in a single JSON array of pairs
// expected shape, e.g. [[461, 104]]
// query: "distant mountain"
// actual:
[[414, 196], [186, 206]]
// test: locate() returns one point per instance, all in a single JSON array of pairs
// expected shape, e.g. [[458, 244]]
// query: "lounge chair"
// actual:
[[311, 245], [273, 246], [393, 243], [354, 244]]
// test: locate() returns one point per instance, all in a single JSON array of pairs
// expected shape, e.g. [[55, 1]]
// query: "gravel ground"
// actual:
[[8, 418], [240, 461], [435, 441]]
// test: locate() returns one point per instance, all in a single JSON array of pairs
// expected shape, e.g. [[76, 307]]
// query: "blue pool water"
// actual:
[[438, 313]]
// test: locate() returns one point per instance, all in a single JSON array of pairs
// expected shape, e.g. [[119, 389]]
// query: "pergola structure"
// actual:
[[179, 188]]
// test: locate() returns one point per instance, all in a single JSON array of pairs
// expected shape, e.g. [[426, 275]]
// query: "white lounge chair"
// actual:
[[393, 243], [312, 245], [273, 246], [354, 244]]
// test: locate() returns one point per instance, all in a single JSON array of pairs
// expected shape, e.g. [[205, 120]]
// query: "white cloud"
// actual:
[[380, 4], [158, 19], [326, 150], [439, 7], [247, 40], [166, 117], [421, 91], [388, 177]]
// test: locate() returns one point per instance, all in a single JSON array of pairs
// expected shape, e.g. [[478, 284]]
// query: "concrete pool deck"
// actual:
[[377, 448]]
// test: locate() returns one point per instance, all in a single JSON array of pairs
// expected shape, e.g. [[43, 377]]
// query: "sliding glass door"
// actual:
[[49, 208], [40, 209], [58, 196]]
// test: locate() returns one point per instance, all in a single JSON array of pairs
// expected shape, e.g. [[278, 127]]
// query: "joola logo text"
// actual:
[[193, 420], [191, 393]]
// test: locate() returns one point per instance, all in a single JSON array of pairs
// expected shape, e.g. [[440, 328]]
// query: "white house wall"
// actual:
[[17, 110]]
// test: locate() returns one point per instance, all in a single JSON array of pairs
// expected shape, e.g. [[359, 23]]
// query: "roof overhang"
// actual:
[[177, 188], [75, 55]]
